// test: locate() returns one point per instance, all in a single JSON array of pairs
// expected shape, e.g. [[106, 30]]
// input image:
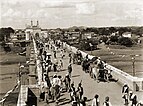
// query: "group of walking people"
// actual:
[[53, 87], [129, 97], [95, 67]]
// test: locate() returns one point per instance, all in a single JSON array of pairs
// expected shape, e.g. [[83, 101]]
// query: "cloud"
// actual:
[[11, 13], [85, 8], [42, 13], [56, 4], [72, 12]]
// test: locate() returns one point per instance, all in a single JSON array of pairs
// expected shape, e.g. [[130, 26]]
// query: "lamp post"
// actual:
[[133, 64]]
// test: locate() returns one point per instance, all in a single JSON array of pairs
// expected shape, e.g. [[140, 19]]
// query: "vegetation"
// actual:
[[125, 41], [4, 37], [108, 35], [5, 33]]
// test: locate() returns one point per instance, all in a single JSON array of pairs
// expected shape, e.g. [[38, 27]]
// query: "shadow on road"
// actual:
[[75, 75], [64, 101]]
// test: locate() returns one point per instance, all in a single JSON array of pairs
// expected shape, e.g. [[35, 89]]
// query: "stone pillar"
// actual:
[[27, 35]]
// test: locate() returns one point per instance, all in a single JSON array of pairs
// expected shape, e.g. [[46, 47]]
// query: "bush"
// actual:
[[104, 39], [114, 38], [125, 41], [7, 49], [85, 45]]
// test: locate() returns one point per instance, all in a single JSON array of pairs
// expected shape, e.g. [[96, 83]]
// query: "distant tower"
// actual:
[[31, 23], [37, 23]]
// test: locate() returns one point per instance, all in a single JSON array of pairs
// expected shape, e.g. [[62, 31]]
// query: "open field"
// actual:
[[120, 57], [9, 74]]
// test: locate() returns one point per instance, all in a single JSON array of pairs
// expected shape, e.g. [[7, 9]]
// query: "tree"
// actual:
[[5, 33], [123, 29], [112, 30], [104, 39], [85, 44], [114, 38], [104, 31], [125, 41]]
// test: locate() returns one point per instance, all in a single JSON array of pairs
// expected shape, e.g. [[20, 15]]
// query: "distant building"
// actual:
[[115, 33], [127, 34], [18, 35], [88, 35], [72, 34], [44, 34], [32, 30]]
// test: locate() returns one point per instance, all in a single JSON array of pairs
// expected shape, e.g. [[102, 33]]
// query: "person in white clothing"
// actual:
[[95, 101], [55, 80], [107, 102]]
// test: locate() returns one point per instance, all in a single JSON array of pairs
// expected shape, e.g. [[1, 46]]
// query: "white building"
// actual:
[[32, 30], [127, 34]]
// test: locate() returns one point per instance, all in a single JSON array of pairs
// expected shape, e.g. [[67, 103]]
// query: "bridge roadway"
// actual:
[[90, 86]]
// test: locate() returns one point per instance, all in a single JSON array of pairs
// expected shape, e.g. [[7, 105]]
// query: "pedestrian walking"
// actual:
[[134, 100], [70, 70], [130, 95], [60, 64], [80, 91], [74, 99], [125, 88], [125, 93], [70, 57], [62, 54], [55, 67], [55, 54], [72, 92], [125, 97], [83, 101], [47, 80], [55, 80], [95, 101], [60, 83], [47, 94], [42, 92], [67, 81], [107, 102]]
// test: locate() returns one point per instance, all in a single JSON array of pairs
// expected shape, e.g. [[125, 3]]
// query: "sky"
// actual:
[[68, 13]]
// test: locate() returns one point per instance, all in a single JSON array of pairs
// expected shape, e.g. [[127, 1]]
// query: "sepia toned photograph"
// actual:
[[71, 52]]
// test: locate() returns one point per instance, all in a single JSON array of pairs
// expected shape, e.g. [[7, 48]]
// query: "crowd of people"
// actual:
[[53, 86], [129, 97]]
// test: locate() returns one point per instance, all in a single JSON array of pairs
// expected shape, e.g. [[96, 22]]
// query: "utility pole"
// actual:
[[133, 64], [91, 47]]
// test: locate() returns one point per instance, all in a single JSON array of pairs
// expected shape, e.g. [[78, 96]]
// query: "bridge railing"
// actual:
[[38, 64], [23, 96]]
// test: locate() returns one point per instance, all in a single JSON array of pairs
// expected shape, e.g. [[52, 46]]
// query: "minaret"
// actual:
[[37, 23], [31, 23]]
